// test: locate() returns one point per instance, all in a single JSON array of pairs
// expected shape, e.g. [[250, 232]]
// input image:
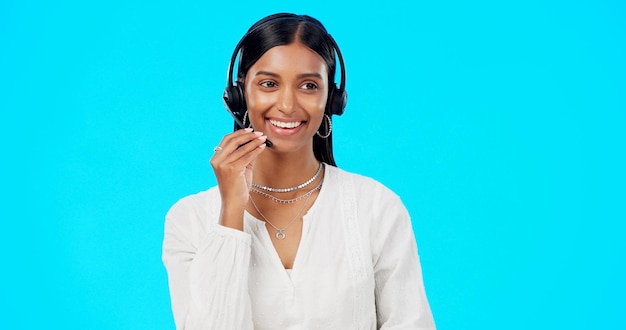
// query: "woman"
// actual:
[[287, 240]]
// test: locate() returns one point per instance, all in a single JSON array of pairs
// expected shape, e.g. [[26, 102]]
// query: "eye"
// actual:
[[268, 84], [309, 85]]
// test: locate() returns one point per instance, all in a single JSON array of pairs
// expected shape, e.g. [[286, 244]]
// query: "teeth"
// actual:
[[282, 124]]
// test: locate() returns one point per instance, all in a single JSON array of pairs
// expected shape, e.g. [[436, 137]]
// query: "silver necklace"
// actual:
[[284, 190], [287, 201], [280, 232]]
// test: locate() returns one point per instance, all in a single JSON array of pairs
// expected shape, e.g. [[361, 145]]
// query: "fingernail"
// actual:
[[262, 138], [258, 133], [248, 129]]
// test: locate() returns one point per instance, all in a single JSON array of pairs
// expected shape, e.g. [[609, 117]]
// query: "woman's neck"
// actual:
[[281, 170]]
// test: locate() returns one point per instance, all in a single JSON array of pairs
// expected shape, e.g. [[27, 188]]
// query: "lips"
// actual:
[[285, 124]]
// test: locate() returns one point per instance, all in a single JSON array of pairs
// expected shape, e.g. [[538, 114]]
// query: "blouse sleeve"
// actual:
[[207, 266], [401, 301]]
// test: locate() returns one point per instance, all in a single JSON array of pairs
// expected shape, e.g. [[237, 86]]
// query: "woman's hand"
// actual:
[[232, 163]]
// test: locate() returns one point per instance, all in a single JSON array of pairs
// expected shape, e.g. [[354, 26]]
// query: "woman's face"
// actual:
[[286, 92]]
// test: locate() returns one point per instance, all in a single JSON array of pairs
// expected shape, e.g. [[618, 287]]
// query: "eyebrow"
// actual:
[[302, 75]]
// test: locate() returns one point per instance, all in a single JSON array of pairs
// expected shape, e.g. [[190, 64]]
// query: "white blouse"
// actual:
[[357, 265]]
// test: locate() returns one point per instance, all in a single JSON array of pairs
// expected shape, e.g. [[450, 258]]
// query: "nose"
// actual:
[[287, 101]]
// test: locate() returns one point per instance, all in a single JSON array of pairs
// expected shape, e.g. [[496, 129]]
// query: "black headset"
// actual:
[[234, 98]]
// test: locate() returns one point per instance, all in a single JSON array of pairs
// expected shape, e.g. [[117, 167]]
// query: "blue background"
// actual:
[[501, 125]]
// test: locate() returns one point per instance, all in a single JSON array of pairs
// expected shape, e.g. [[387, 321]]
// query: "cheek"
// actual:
[[315, 104], [256, 100], [317, 111]]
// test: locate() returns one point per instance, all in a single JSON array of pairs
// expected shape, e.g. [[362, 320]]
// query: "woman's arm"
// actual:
[[207, 268], [207, 256], [400, 296]]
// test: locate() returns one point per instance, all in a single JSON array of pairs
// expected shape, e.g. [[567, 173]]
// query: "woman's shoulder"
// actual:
[[376, 205], [194, 209], [363, 185], [199, 199]]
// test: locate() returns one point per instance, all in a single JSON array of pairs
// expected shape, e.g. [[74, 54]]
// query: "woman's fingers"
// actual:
[[233, 160], [237, 146]]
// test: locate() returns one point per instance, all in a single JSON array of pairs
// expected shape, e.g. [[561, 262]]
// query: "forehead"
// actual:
[[293, 58]]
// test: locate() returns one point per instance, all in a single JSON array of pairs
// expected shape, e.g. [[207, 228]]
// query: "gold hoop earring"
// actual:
[[330, 128], [245, 115]]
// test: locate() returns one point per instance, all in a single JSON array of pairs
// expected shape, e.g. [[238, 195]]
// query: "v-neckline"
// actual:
[[266, 240], [306, 224]]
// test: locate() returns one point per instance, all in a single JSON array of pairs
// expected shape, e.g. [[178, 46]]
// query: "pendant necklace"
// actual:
[[280, 232]]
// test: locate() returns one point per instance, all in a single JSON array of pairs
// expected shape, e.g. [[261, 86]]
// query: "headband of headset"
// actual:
[[234, 98]]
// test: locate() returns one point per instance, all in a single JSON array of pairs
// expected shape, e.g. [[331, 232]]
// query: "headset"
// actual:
[[234, 98]]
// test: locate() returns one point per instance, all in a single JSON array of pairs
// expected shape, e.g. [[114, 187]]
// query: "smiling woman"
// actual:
[[286, 92], [286, 230]]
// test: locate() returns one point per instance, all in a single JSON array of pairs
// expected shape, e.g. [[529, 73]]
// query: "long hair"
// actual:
[[284, 29]]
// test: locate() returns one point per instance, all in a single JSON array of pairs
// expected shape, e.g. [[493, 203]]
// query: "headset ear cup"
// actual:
[[234, 100], [339, 99]]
